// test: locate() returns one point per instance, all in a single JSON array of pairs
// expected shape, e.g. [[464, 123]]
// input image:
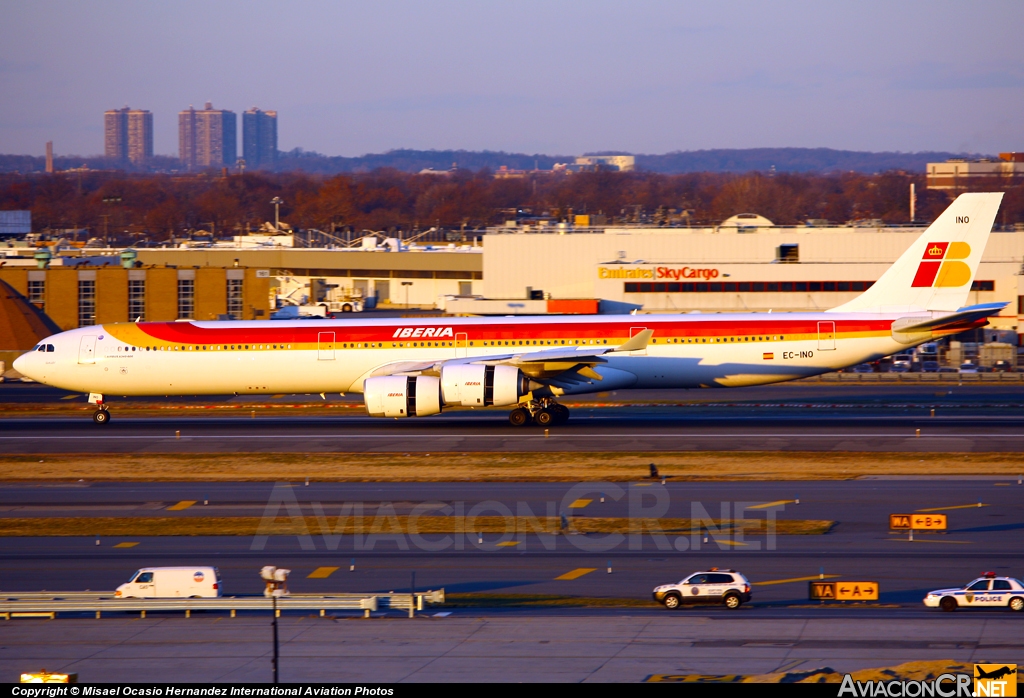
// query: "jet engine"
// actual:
[[477, 385], [402, 396]]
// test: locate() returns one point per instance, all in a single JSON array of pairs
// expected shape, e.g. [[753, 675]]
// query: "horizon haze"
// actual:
[[531, 77]]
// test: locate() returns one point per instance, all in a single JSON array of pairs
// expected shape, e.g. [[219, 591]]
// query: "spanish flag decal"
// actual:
[[768, 355]]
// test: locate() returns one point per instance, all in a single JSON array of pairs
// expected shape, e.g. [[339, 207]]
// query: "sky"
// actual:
[[551, 77]]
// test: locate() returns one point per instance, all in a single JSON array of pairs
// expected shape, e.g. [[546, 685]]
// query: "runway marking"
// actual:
[[640, 484], [507, 543], [794, 579], [580, 503], [959, 506], [1002, 484], [769, 505], [182, 505], [575, 574], [730, 542], [919, 540], [322, 572], [126, 545], [69, 397]]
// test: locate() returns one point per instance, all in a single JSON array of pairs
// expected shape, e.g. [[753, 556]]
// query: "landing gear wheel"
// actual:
[[101, 416], [545, 418], [519, 417], [948, 604], [561, 414]]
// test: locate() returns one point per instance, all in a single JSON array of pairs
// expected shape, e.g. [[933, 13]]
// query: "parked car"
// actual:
[[947, 369], [902, 360], [899, 368], [863, 368], [968, 367], [1002, 365], [929, 367]]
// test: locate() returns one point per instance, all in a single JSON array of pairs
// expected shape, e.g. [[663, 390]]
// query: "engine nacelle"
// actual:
[[402, 396], [477, 385]]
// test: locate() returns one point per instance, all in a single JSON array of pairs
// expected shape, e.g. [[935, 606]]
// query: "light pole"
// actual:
[[277, 201], [407, 284]]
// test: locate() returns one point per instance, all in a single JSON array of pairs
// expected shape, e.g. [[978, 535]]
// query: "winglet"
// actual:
[[637, 342]]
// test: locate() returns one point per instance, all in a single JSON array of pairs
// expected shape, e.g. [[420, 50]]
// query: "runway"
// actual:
[[805, 417], [859, 546], [621, 647]]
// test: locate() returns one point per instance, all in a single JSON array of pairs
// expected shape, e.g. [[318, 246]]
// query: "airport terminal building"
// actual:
[[744, 264], [734, 267]]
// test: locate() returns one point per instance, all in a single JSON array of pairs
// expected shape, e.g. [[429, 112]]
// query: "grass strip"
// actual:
[[572, 466], [381, 524]]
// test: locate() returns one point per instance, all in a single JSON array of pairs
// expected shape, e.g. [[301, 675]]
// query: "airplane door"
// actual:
[[325, 346], [87, 350], [461, 345], [633, 332], [826, 336]]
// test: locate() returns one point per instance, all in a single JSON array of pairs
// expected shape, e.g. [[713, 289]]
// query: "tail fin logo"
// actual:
[[940, 266]]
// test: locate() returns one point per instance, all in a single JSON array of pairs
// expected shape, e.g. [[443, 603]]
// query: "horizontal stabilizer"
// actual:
[[917, 329], [964, 316]]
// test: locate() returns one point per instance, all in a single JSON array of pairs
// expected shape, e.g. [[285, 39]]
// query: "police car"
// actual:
[[987, 591], [727, 587]]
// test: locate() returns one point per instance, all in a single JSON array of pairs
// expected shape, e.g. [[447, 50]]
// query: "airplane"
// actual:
[[995, 673], [418, 367]]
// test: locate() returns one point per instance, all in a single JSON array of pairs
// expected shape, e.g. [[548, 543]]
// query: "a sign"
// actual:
[[856, 591], [843, 591], [823, 591], [917, 522], [995, 680]]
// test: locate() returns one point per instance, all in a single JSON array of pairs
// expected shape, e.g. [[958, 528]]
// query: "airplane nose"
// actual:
[[21, 364]]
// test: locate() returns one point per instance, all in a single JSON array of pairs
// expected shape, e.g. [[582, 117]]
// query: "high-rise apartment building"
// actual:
[[128, 134], [207, 137], [259, 137]]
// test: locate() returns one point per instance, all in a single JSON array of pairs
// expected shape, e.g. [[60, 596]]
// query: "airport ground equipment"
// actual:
[[49, 604]]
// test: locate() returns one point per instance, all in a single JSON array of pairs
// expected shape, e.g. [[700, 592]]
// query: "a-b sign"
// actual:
[[843, 591], [917, 522], [995, 680]]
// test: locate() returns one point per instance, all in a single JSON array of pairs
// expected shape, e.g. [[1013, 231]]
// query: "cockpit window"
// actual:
[[39, 347], [49, 347]]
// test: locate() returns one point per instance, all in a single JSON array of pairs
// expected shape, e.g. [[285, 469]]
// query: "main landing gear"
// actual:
[[543, 413], [102, 414]]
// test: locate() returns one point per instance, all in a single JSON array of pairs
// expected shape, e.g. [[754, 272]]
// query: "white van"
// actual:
[[171, 582]]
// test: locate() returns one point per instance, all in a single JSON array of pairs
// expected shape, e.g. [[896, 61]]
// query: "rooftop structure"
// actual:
[[961, 175], [622, 163]]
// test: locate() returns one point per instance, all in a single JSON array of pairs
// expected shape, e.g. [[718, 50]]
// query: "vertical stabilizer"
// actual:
[[937, 271]]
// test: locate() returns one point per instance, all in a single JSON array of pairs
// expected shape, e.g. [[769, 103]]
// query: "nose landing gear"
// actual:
[[543, 413], [101, 415]]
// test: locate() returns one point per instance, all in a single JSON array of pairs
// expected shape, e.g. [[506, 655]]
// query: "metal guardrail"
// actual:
[[49, 604]]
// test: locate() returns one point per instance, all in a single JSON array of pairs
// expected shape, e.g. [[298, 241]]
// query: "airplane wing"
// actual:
[[542, 364]]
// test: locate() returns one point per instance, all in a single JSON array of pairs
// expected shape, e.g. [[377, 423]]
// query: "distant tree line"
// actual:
[[157, 207], [804, 160]]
